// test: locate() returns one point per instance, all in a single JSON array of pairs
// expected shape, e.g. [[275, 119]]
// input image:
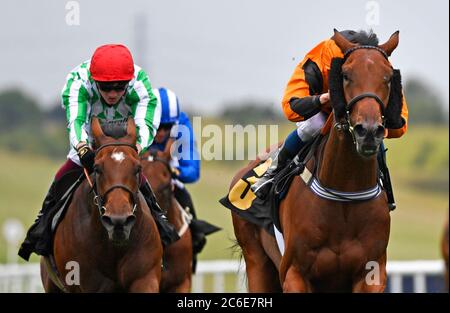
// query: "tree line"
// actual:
[[26, 127]]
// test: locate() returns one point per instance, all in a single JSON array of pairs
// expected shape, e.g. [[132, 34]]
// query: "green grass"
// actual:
[[419, 169], [24, 182], [419, 164]]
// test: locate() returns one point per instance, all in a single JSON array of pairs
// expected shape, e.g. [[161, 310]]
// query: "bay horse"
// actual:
[[177, 265], [108, 229], [329, 244]]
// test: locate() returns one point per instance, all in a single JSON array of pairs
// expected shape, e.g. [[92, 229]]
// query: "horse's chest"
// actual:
[[342, 258]]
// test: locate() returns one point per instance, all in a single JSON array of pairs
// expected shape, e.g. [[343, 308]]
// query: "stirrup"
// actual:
[[262, 190], [256, 187]]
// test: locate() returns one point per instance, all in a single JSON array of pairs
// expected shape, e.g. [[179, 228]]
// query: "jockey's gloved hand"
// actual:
[[86, 156], [175, 172]]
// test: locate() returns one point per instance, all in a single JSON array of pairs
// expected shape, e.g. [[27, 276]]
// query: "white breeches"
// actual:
[[306, 130]]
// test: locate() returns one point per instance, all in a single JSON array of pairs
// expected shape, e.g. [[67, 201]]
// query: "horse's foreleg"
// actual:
[[147, 280], [148, 283], [48, 284], [294, 281], [178, 262], [362, 286], [374, 279], [184, 286], [262, 274]]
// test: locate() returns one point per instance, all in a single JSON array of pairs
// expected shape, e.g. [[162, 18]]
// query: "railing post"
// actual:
[[396, 283], [219, 282], [420, 283], [197, 283]]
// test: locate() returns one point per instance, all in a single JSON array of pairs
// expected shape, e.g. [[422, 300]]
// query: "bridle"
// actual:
[[99, 200], [345, 124], [152, 157]]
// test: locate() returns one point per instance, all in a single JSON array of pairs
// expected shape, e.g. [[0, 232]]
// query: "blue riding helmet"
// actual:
[[170, 108]]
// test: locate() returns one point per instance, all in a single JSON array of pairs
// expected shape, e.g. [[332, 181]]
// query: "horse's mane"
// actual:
[[361, 37]]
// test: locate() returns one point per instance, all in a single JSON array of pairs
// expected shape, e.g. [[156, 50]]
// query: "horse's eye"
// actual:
[[345, 77]]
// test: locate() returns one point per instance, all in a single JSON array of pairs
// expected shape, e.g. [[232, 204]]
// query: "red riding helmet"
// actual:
[[112, 63]]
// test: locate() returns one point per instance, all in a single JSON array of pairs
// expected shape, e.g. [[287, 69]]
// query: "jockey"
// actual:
[[111, 87], [306, 101], [176, 128]]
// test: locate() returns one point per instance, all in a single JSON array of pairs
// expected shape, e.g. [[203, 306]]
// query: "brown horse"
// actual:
[[329, 244], [444, 250], [177, 272], [108, 241]]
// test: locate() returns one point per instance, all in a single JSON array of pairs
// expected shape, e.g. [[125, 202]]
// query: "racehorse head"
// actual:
[[365, 91], [117, 172], [156, 167]]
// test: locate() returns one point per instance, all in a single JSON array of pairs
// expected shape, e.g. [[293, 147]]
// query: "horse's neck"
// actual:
[[342, 168], [165, 197]]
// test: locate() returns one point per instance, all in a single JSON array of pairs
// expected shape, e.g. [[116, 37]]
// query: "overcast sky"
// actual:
[[209, 51]]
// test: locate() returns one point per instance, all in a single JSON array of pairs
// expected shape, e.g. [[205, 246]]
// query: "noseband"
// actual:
[[346, 124], [99, 200]]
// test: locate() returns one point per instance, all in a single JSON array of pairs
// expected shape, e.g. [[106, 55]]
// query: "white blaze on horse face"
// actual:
[[118, 156]]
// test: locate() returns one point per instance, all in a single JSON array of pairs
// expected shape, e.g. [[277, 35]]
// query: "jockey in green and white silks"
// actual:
[[81, 100], [111, 87]]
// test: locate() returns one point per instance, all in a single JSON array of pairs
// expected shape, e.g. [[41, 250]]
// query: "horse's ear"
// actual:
[[97, 130], [131, 128], [390, 45], [342, 42]]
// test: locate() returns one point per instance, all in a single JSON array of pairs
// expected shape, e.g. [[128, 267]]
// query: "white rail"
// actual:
[[225, 276]]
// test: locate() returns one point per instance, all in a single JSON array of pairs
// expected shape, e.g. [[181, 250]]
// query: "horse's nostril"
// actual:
[[359, 130], [106, 220], [131, 219], [107, 223], [379, 132]]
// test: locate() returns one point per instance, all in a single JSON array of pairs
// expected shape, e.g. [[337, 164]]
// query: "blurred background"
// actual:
[[228, 62]]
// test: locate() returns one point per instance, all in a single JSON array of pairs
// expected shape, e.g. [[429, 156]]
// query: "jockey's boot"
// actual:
[[38, 229], [166, 230], [290, 148], [385, 177], [262, 186]]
